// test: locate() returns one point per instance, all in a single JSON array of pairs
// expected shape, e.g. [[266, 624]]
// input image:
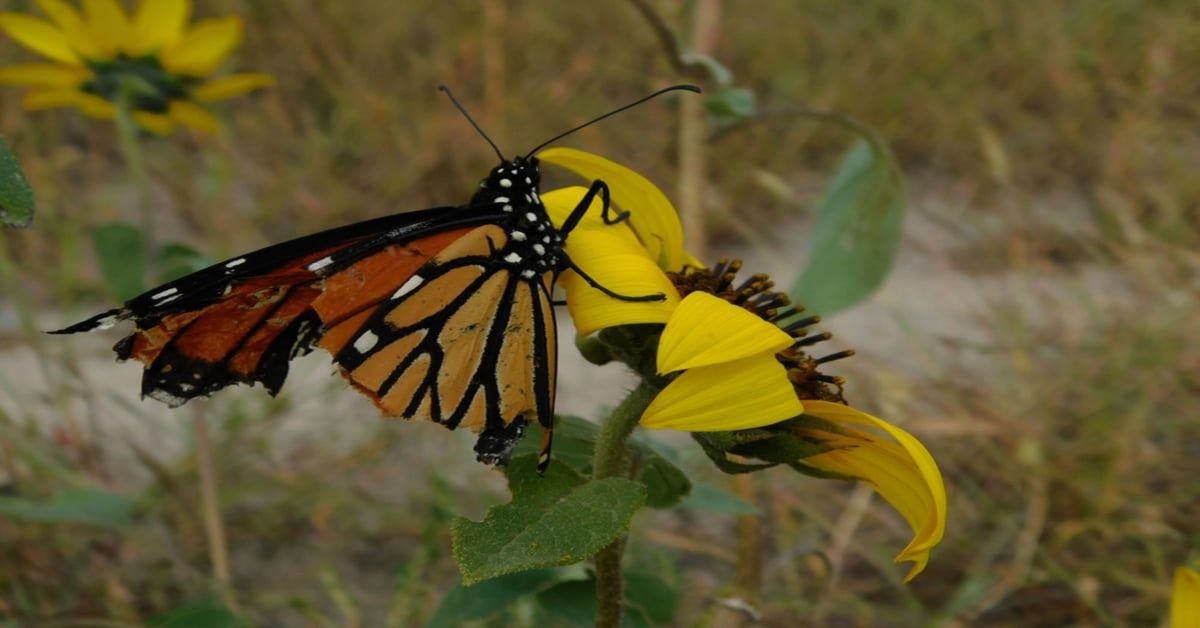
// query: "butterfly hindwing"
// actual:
[[462, 341]]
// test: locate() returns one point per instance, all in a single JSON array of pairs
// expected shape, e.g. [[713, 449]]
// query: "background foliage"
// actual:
[[1038, 333]]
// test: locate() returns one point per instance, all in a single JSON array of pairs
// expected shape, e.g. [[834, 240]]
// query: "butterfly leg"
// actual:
[[620, 297], [601, 188]]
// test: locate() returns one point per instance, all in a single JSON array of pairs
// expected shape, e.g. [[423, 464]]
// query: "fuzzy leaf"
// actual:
[[16, 197], [202, 614], [490, 598], [91, 506], [665, 484], [857, 231], [573, 603], [121, 250], [553, 520]]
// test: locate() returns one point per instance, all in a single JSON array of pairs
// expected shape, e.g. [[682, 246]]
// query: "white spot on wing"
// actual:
[[501, 199], [539, 249], [365, 342], [505, 183], [512, 258], [106, 322], [530, 216], [164, 294], [412, 284], [528, 274], [237, 262], [519, 236], [319, 264]]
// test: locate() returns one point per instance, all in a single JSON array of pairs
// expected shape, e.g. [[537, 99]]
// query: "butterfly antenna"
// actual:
[[673, 88], [459, 106]]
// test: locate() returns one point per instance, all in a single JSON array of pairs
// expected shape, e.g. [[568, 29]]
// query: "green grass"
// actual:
[[1054, 142]]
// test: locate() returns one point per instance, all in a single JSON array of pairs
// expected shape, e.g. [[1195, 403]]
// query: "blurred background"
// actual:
[[1039, 332]]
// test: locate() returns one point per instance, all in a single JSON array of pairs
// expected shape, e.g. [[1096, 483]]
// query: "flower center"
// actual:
[[142, 80], [755, 295]]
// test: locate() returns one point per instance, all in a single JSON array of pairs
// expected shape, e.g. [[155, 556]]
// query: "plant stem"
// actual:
[[131, 150], [214, 530], [609, 461]]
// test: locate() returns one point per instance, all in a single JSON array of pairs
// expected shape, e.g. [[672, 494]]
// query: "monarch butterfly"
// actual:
[[443, 313]]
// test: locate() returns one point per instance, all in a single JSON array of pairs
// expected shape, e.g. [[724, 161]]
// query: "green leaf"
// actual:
[[488, 599], [77, 505], [553, 520], [730, 104], [573, 603], [708, 498], [201, 614], [857, 231], [665, 484], [648, 593], [121, 249], [16, 197], [176, 260], [574, 444]]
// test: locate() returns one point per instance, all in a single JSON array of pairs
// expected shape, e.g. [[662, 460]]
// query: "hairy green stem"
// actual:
[[608, 461], [131, 150]]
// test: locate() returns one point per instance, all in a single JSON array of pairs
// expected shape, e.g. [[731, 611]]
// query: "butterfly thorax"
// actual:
[[534, 246]]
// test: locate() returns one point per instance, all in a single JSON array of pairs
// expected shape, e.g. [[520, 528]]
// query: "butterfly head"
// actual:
[[520, 175]]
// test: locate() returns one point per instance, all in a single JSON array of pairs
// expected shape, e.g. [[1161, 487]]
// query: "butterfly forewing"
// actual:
[[443, 314]]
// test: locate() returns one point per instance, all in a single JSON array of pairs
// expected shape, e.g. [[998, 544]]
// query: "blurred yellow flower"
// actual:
[[1185, 599], [152, 62]]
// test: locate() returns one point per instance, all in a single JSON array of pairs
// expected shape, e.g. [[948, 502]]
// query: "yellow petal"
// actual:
[[902, 472], [706, 330], [154, 122], [158, 24], [108, 25], [39, 36], [743, 394], [192, 116], [71, 23], [651, 215], [44, 75], [1185, 599], [90, 104], [231, 86], [611, 255], [204, 46]]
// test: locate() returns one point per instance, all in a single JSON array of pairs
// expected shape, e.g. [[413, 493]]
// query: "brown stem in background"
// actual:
[[214, 529], [693, 129], [494, 76]]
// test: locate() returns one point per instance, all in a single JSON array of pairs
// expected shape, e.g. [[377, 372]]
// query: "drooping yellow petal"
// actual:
[[1185, 599], [90, 104], [44, 75], [706, 330], [651, 215], [193, 116], [612, 256], [158, 24], [204, 46], [902, 472], [37, 100], [743, 394], [39, 36], [230, 86], [71, 22], [154, 122], [108, 26]]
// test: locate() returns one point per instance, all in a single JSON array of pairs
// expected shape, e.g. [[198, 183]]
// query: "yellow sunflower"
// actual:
[[152, 64], [734, 353]]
